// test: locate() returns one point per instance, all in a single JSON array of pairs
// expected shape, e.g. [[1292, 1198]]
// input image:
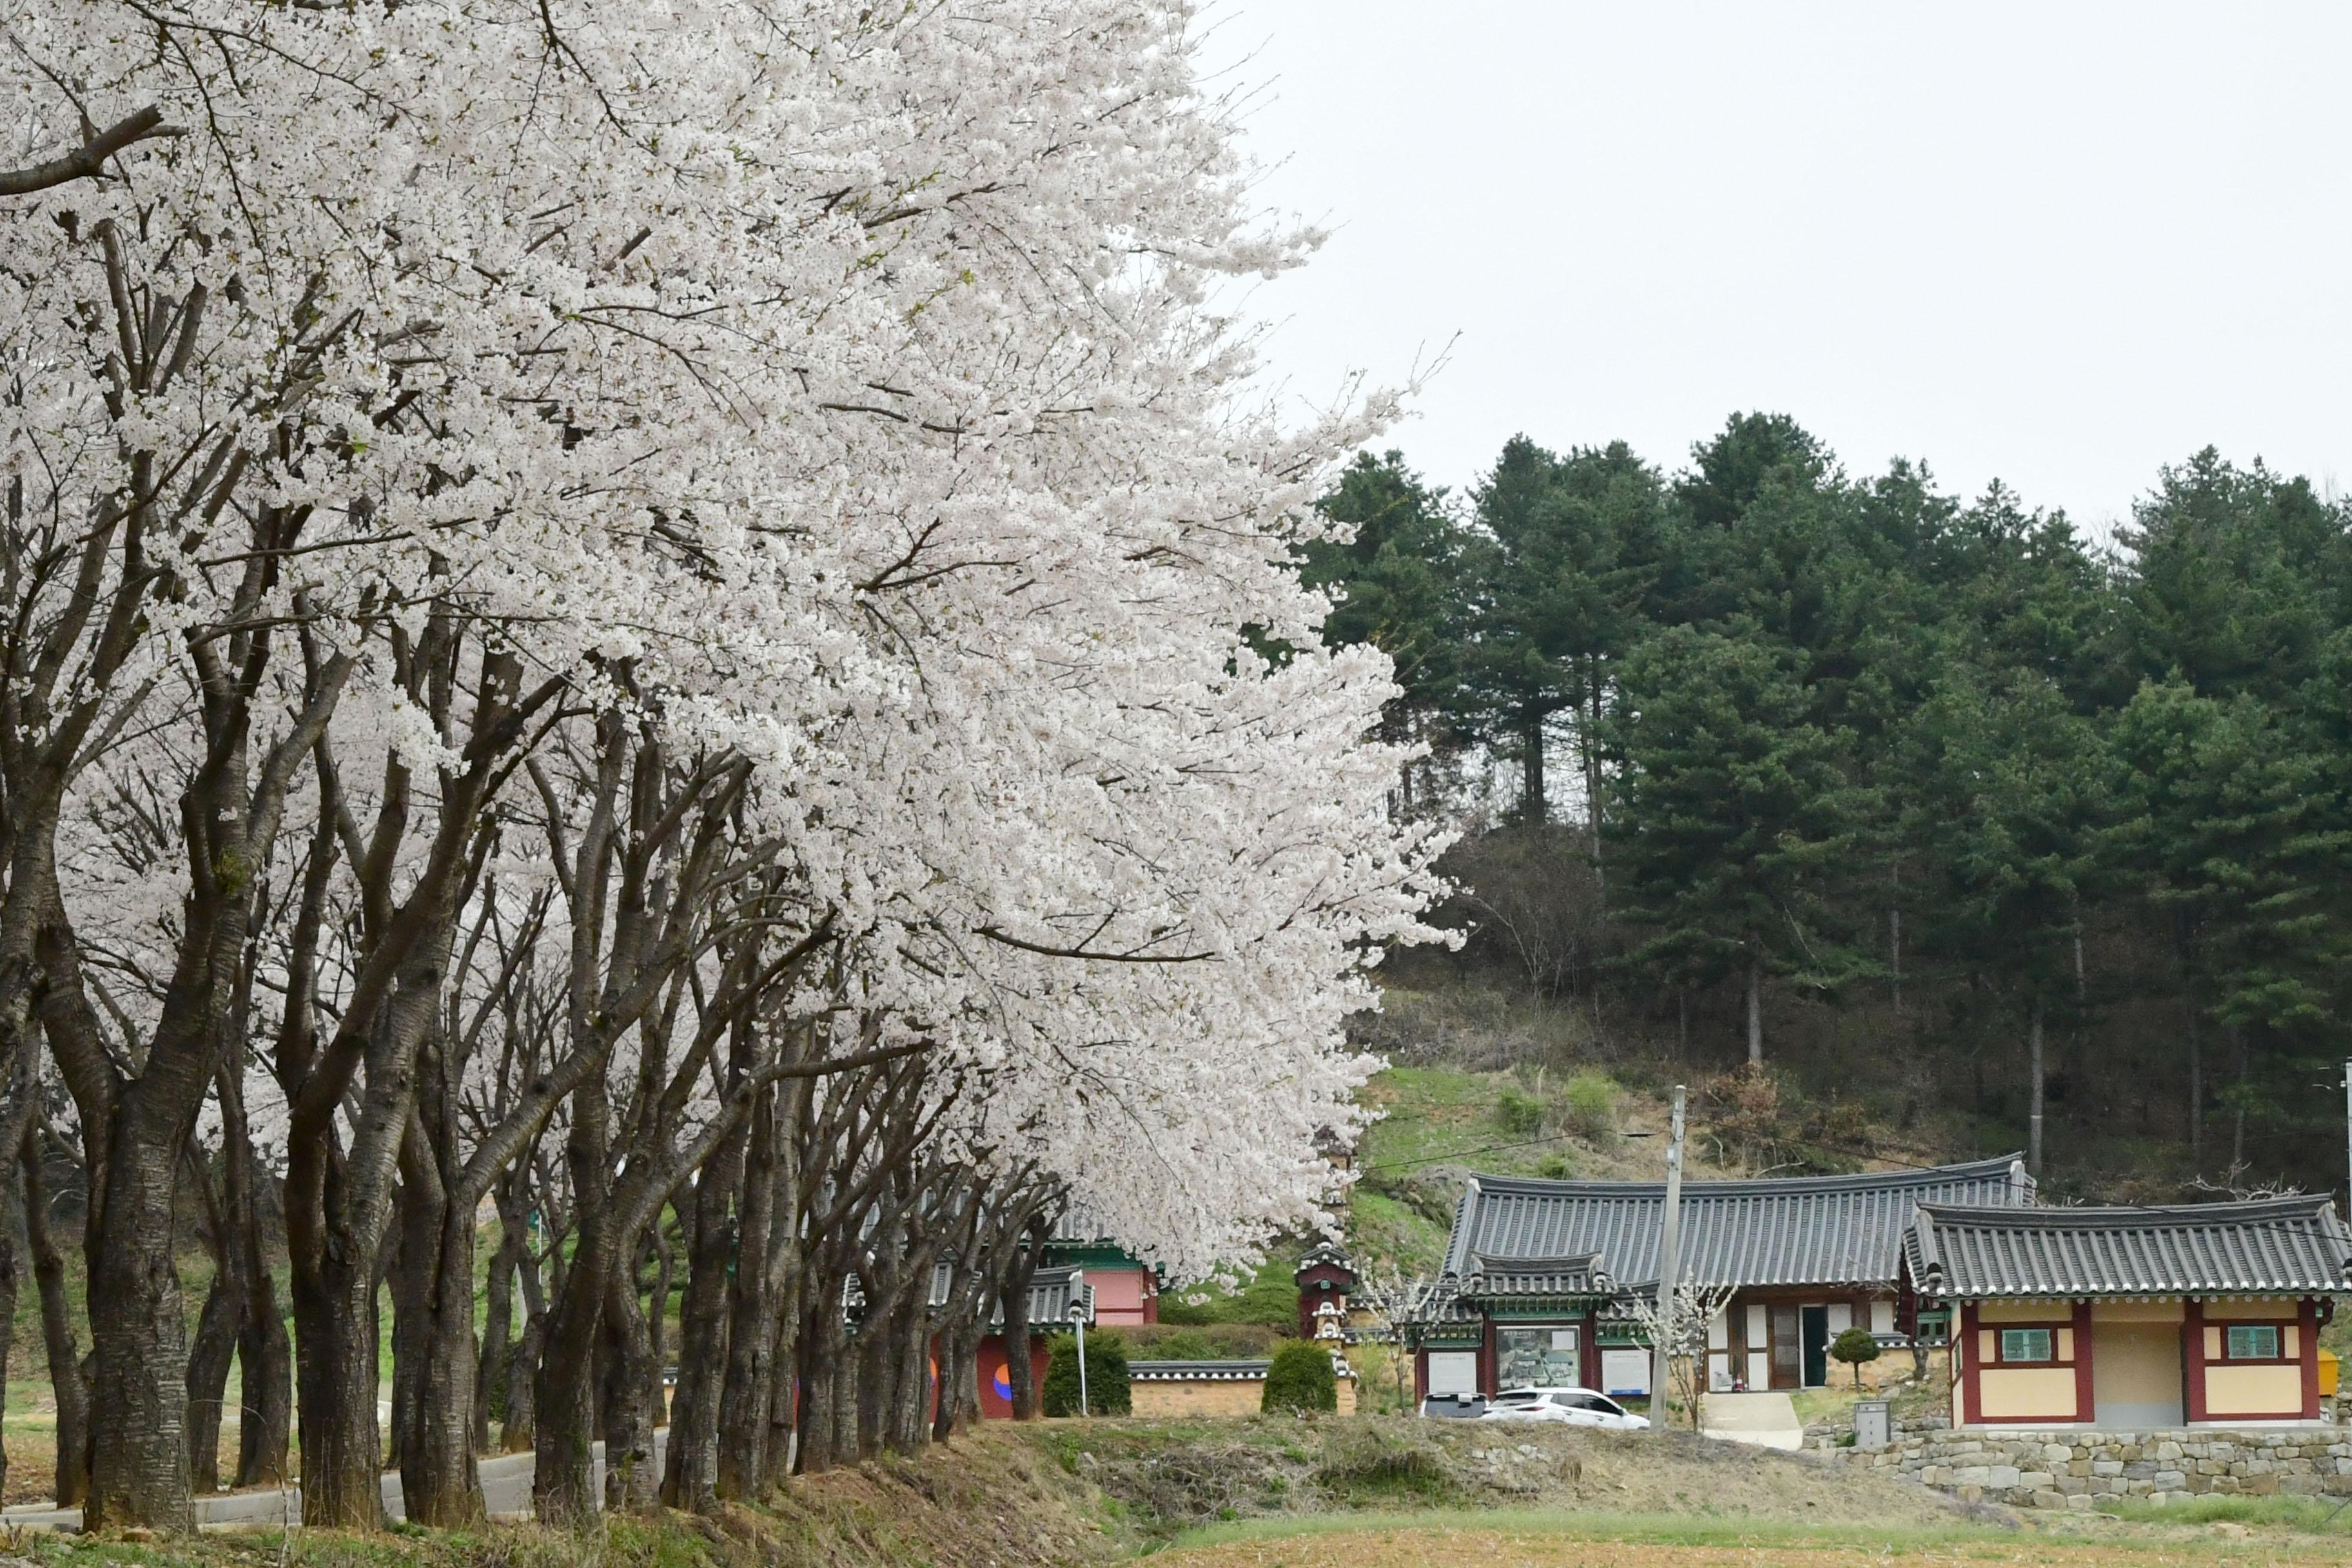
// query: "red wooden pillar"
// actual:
[[2085, 1397], [2192, 1353], [1964, 1364], [2307, 1340]]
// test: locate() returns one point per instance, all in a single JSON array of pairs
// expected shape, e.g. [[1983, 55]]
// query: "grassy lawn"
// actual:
[[1550, 1539]]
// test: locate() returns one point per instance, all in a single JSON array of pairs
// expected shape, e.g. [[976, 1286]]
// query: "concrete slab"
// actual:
[[1767, 1420]]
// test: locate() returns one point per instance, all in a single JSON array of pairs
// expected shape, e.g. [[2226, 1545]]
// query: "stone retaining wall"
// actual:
[[2082, 1469]]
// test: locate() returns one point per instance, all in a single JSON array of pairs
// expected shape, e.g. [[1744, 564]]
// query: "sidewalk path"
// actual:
[[505, 1492], [1767, 1420]]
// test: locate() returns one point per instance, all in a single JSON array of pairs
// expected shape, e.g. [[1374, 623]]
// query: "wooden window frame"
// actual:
[[2277, 1326], [2000, 1359], [2000, 1344]]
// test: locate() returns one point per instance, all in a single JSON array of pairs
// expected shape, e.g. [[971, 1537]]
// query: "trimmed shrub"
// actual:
[[1300, 1378], [1853, 1347], [1592, 1105], [1520, 1115], [1107, 1393]]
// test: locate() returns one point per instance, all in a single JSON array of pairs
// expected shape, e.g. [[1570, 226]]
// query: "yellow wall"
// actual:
[[2243, 1307], [2025, 1312], [2136, 1363], [2252, 1390], [1220, 1396], [2135, 1312], [2009, 1393]]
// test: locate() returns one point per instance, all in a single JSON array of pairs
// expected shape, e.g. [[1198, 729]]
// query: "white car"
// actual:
[[1569, 1406]]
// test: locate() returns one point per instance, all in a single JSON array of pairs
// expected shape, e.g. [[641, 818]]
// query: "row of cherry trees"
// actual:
[[648, 618]]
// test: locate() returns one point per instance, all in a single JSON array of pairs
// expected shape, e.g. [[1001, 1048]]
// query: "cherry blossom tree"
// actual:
[[765, 505]]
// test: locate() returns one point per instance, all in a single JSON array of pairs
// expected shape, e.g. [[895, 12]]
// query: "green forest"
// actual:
[[1770, 764]]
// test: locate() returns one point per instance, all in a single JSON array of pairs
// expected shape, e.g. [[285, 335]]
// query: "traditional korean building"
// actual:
[[1113, 1286], [1537, 1274], [1051, 1292], [1325, 1278], [1126, 1289], [2131, 1319]]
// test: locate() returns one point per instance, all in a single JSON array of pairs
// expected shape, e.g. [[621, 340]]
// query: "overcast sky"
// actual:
[[2058, 244]]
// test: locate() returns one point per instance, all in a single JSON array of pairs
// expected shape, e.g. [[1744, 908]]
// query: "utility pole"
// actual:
[[1669, 1240], [1079, 1320]]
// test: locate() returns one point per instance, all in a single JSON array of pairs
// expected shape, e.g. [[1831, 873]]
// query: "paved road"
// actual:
[[505, 1491], [1767, 1420]]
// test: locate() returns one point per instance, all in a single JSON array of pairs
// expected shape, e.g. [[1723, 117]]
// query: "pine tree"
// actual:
[[1732, 818]]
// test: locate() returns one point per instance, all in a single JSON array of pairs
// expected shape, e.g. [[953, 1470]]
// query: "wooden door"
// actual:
[[1787, 1348]]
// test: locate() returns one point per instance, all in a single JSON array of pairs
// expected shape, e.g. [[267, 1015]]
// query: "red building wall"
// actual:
[[995, 1388], [1123, 1296]]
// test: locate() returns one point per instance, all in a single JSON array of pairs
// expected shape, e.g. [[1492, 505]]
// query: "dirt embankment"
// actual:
[[1168, 1476], [1071, 1494]]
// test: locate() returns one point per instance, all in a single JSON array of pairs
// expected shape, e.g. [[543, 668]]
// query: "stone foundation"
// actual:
[[2082, 1470]]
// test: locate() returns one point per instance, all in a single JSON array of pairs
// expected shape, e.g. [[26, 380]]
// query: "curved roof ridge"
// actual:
[[1758, 1186], [2293, 1205]]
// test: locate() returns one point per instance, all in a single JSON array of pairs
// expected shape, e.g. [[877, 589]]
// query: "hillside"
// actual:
[[1485, 1080], [1486, 1077]]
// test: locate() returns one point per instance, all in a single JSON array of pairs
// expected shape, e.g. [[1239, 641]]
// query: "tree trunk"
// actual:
[[1532, 804], [747, 1396], [1895, 956], [1020, 1369], [916, 1384], [2238, 1117], [878, 1366], [518, 1430], [265, 1358], [823, 1378], [69, 1380], [786, 1317], [138, 1329], [2034, 1080], [8, 1288], [565, 1415], [690, 1467], [2196, 1093], [1755, 1006], [657, 1359], [335, 1343], [632, 1484], [955, 1380], [565, 1401], [440, 1483], [265, 1361], [498, 1328], [217, 1328]]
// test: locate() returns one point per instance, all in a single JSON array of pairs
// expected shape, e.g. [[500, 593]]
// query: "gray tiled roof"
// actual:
[[1197, 1371], [1049, 1301], [1584, 1274], [1787, 1230], [2279, 1246]]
